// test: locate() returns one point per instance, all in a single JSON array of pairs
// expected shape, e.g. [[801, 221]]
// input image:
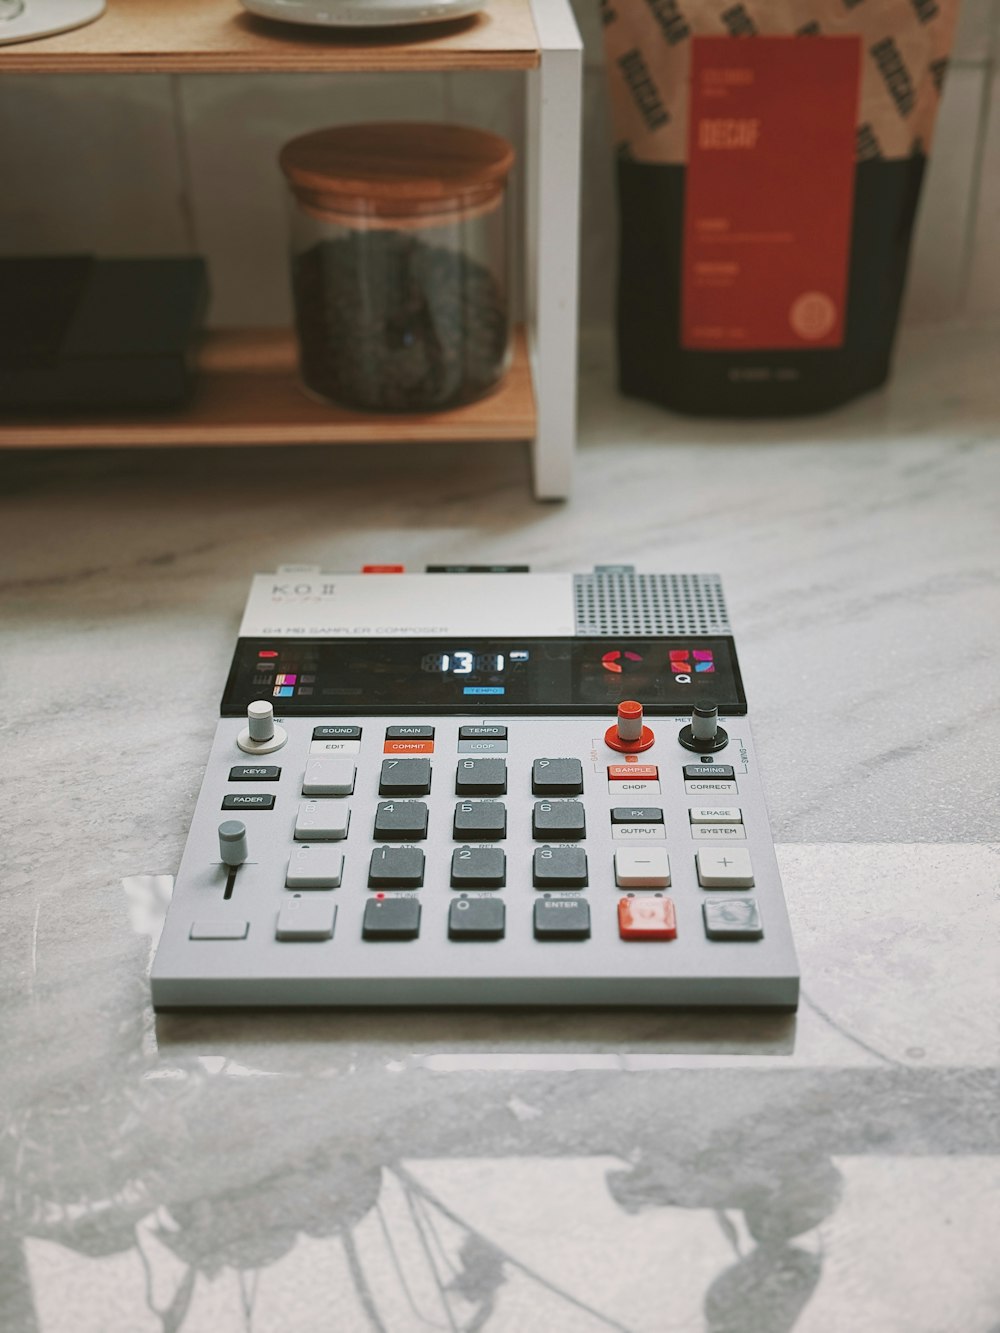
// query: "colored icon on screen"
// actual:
[[283, 691], [615, 659]]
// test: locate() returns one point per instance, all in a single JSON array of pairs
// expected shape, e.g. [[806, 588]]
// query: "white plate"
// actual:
[[363, 13], [42, 18]]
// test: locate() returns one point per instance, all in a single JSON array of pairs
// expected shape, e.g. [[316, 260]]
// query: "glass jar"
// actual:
[[400, 263]]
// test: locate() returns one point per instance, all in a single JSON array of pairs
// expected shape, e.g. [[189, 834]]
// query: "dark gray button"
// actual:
[[400, 821], [698, 771], [336, 733], [481, 777], [559, 819], [476, 919], [478, 868], [487, 733], [405, 777], [480, 819], [391, 919], [733, 919], [396, 868], [557, 777], [254, 773], [250, 800], [559, 868], [637, 814], [562, 919], [409, 733]]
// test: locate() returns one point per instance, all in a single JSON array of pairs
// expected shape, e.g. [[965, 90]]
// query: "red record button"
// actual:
[[647, 919], [383, 569], [626, 772]]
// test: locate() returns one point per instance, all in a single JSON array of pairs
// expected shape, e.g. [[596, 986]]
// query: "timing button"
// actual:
[[694, 772], [405, 777], [391, 919], [559, 819], [557, 777], [478, 868], [336, 733], [637, 814], [487, 733], [562, 919], [254, 773], [400, 821], [481, 777], [410, 733], [633, 772], [476, 919], [480, 819], [559, 868], [396, 868], [251, 800]]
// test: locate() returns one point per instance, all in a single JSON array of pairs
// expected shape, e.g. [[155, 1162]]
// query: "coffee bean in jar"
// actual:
[[399, 266]]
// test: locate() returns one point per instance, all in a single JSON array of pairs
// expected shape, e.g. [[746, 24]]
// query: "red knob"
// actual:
[[628, 735]]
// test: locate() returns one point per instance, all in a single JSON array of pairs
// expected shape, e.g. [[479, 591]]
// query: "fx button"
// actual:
[[562, 919], [476, 919], [637, 814]]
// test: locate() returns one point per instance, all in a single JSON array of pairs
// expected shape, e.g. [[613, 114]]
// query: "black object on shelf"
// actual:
[[78, 332]]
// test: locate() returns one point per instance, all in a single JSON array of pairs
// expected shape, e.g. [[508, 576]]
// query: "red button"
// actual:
[[647, 919], [383, 569], [625, 772], [408, 747]]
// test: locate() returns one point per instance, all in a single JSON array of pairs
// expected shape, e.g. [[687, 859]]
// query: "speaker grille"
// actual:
[[649, 604]]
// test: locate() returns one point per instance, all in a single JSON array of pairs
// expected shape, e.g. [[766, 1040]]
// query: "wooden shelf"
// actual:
[[249, 393], [218, 36]]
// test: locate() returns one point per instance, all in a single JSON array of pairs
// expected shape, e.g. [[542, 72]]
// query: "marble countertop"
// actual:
[[532, 1171]]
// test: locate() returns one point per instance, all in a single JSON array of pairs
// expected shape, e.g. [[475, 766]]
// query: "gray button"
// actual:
[[400, 821], [480, 819], [396, 868], [733, 919], [219, 930], [562, 919], [482, 747], [336, 733], [322, 821], [314, 866], [559, 868], [478, 868], [476, 919], [249, 800], [305, 919], [391, 919], [557, 777], [695, 772], [254, 773], [405, 777], [491, 731], [637, 814], [409, 733], [559, 819], [481, 777]]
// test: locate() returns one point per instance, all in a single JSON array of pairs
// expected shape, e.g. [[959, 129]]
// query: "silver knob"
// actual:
[[260, 720], [233, 849]]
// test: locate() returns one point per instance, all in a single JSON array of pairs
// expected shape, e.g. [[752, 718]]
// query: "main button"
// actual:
[[481, 777], [405, 777], [391, 919], [476, 919], [396, 868], [559, 868], [480, 819], [647, 919], [336, 732], [559, 819], [478, 868], [562, 919], [494, 733], [254, 773], [557, 777], [409, 733], [400, 821]]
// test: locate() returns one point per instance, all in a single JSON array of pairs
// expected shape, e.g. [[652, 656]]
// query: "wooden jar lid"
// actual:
[[397, 169]]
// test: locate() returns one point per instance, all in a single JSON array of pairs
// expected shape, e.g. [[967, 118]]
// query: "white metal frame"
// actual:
[[552, 161]]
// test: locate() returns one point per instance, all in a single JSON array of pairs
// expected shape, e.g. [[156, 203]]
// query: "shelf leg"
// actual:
[[552, 176]]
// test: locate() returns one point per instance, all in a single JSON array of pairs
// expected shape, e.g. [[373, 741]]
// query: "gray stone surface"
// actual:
[[531, 1172]]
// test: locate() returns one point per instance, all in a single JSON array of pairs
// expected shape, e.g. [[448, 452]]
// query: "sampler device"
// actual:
[[480, 787]]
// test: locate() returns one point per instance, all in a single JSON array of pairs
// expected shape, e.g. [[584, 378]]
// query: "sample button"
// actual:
[[633, 772]]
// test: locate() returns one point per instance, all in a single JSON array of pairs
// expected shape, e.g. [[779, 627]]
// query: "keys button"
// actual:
[[318, 867], [328, 777], [642, 868], [481, 777], [476, 919], [559, 868], [562, 919], [637, 814], [647, 919], [405, 777], [400, 821], [478, 868], [305, 920], [724, 868], [480, 819], [391, 919], [557, 777], [733, 919], [322, 821], [254, 773], [396, 868], [251, 800], [559, 819]]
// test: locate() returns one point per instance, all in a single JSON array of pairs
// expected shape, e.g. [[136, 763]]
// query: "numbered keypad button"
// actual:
[[733, 919], [314, 867], [396, 868], [480, 819], [400, 821], [476, 919], [328, 777], [562, 919], [724, 868], [559, 819], [478, 868], [391, 919], [559, 868], [405, 777], [557, 777], [322, 821], [481, 777]]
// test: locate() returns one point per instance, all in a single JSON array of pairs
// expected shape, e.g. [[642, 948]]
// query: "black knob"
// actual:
[[703, 733]]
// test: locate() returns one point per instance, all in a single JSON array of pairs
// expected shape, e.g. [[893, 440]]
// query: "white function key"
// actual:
[[328, 777], [718, 833], [305, 919], [711, 788], [716, 814], [637, 832], [334, 747], [642, 868], [314, 866], [640, 788], [724, 868], [322, 821]]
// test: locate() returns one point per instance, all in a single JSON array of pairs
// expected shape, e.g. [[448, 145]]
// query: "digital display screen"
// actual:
[[343, 676]]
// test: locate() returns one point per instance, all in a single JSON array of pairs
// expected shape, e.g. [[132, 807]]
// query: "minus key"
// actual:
[[642, 868]]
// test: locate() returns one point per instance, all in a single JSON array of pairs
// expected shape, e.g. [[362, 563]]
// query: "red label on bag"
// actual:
[[769, 191]]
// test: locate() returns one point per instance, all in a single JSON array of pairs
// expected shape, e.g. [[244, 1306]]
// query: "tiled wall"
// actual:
[[150, 164]]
